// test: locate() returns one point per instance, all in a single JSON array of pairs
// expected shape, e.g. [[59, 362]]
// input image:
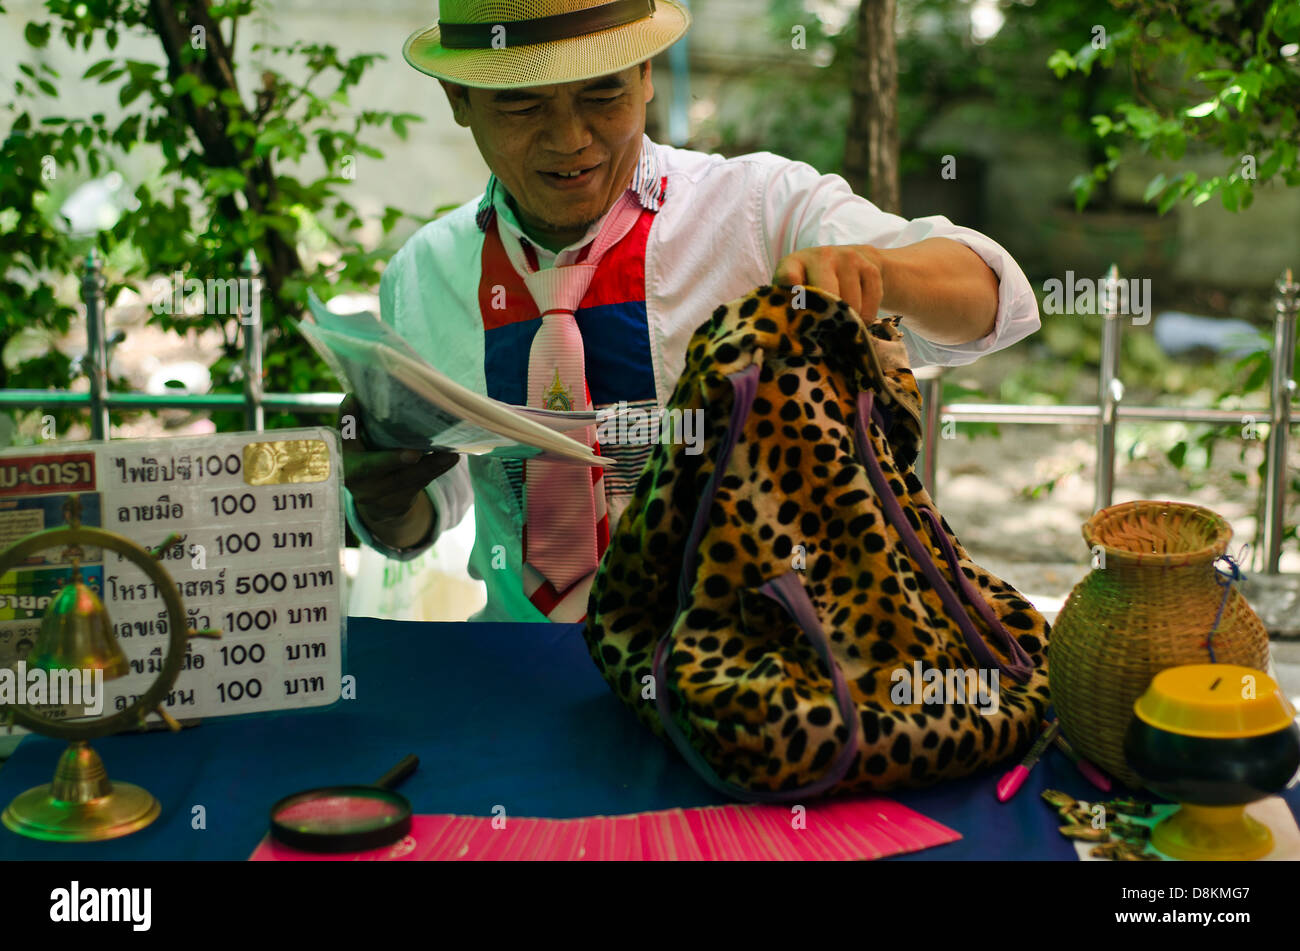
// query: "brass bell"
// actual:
[[76, 633], [82, 804]]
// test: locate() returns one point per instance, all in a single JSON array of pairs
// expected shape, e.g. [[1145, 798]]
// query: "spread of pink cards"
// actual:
[[845, 830]]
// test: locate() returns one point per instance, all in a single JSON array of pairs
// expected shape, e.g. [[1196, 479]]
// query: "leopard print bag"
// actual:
[[787, 607]]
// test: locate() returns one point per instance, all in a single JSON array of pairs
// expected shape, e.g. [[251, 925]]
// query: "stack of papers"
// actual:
[[407, 404]]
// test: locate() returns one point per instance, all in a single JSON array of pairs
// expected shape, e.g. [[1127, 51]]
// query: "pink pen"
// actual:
[[1012, 781], [1090, 772]]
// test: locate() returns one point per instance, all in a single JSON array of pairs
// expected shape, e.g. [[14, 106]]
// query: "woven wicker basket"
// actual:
[[1150, 607]]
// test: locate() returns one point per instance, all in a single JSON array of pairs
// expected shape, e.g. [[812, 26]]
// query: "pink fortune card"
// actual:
[[447, 847], [500, 843], [613, 839], [776, 829], [684, 844], [570, 841], [840, 830], [649, 831]]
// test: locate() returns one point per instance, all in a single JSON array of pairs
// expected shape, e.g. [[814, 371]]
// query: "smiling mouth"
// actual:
[[577, 175]]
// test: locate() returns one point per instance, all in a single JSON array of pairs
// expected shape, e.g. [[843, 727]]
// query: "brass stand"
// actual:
[[1212, 833], [81, 804]]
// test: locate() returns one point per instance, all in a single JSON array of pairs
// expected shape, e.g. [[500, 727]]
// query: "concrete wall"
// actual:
[[1026, 174]]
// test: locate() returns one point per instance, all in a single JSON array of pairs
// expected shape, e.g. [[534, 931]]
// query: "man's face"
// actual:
[[531, 137]]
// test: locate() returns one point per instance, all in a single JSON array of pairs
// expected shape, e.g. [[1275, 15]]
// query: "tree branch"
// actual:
[[210, 126]]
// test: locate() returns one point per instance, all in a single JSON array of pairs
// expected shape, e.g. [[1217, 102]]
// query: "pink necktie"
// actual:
[[565, 503]]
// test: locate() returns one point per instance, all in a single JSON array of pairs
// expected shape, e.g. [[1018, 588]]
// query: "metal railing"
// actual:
[[1110, 411], [99, 399], [1107, 414]]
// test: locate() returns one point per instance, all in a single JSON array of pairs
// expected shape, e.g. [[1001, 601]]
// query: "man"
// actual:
[[578, 277]]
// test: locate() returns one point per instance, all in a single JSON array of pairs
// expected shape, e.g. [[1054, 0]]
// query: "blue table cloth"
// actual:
[[514, 715]]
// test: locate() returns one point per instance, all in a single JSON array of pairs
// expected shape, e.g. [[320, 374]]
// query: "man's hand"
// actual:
[[388, 485], [853, 273], [944, 290]]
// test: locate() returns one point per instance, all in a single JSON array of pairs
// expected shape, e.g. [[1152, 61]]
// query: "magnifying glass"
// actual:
[[345, 818]]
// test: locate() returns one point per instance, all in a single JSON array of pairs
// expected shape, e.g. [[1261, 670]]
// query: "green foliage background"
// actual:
[[227, 179], [229, 163]]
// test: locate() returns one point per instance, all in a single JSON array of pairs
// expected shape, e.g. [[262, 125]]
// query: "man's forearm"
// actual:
[[943, 289], [403, 531]]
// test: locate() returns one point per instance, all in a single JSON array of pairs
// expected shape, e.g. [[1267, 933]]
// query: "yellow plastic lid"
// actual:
[[1224, 701]]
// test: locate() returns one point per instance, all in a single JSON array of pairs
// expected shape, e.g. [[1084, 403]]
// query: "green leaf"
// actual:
[[1201, 110], [1061, 63], [1250, 84], [129, 93], [1229, 196], [325, 144], [1177, 454], [97, 68], [1205, 191], [1259, 374], [37, 34], [1083, 187], [1154, 187], [224, 181]]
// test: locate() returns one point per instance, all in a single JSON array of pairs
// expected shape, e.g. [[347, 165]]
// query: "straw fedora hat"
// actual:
[[500, 44]]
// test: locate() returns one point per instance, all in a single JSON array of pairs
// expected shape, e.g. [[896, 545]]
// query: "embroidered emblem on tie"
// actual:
[[558, 397]]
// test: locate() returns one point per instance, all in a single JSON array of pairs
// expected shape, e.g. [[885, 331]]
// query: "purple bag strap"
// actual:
[[744, 387], [787, 591], [1021, 665]]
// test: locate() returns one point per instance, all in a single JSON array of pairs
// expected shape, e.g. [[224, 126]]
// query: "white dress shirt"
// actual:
[[720, 230]]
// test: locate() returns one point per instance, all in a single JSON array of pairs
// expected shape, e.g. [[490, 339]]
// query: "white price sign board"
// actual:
[[259, 533]]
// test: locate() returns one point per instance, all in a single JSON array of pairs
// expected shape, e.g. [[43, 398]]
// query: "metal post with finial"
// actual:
[[96, 363], [929, 381], [254, 415], [1109, 391], [1286, 304]]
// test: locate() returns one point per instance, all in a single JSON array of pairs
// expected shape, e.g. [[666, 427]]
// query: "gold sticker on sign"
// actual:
[[289, 460]]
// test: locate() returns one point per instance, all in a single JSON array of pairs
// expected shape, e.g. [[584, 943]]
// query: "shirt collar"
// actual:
[[647, 185]]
